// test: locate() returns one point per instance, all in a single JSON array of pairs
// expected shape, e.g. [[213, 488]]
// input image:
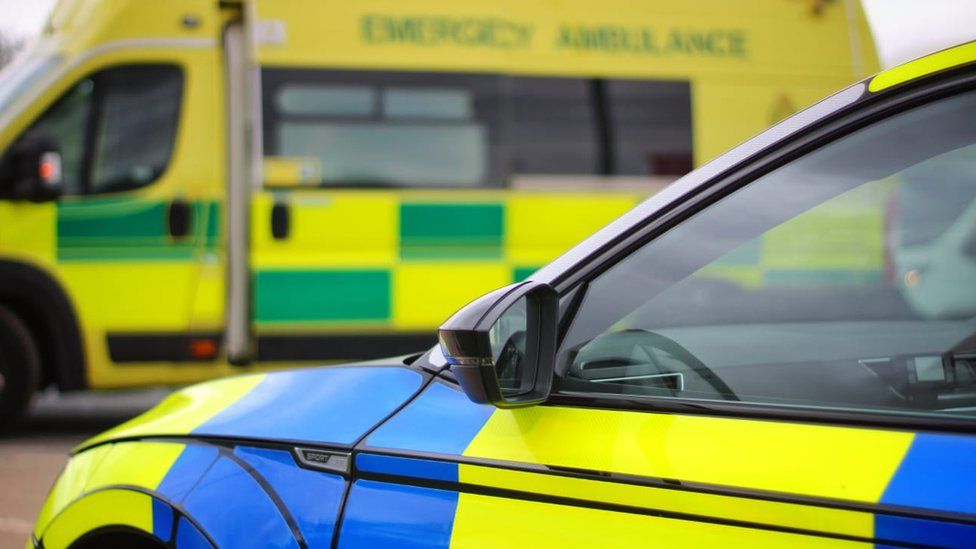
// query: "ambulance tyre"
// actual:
[[19, 369]]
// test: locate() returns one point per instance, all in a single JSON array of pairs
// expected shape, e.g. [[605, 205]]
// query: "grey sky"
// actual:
[[903, 29]]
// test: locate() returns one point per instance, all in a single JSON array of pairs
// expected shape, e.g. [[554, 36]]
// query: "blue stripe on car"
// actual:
[[192, 463], [440, 410], [162, 517], [399, 517], [312, 497], [936, 473], [326, 405], [408, 467], [188, 537], [924, 532], [235, 511]]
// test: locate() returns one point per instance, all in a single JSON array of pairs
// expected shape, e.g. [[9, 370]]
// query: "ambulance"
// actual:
[[192, 187], [599, 404]]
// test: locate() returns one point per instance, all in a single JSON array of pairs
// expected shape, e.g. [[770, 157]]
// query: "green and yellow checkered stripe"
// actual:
[[407, 261], [368, 260], [131, 229]]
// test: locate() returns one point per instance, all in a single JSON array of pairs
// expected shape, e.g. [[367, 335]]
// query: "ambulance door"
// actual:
[[137, 217]]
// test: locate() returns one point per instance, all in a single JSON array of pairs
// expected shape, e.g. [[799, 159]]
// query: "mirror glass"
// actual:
[[508, 342]]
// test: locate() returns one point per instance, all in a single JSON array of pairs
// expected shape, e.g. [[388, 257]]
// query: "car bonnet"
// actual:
[[332, 405]]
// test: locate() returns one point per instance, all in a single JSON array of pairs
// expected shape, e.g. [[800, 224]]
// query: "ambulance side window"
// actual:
[[413, 129], [136, 125], [115, 129]]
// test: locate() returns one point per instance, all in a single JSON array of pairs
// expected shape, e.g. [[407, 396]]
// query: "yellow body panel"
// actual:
[[550, 525], [184, 410], [536, 223], [77, 503], [426, 294], [143, 464], [788, 515], [132, 509], [945, 59], [814, 460], [70, 485], [342, 228]]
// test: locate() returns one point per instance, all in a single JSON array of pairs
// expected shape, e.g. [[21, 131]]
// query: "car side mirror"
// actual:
[[31, 170], [502, 346]]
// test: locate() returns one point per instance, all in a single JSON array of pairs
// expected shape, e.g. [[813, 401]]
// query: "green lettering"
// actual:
[[736, 43], [366, 26], [676, 42]]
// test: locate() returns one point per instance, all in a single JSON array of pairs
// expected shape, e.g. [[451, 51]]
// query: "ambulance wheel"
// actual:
[[19, 368]]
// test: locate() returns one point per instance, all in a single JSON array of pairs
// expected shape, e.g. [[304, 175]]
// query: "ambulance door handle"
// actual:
[[179, 218], [280, 220]]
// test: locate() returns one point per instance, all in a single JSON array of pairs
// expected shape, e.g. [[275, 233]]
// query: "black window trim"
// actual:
[[859, 114]]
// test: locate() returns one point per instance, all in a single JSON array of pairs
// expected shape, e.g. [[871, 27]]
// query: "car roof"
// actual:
[[895, 77]]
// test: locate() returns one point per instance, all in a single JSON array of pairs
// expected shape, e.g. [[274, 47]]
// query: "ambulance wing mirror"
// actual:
[[31, 170], [285, 172], [502, 346]]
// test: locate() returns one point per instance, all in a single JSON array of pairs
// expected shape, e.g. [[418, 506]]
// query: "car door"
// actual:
[[727, 374]]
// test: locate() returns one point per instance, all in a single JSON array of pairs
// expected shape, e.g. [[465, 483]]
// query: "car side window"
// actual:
[[843, 280], [115, 129]]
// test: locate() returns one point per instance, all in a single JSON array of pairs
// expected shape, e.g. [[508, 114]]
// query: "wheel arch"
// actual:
[[42, 304]]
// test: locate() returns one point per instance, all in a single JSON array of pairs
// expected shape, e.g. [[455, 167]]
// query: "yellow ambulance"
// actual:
[[193, 186]]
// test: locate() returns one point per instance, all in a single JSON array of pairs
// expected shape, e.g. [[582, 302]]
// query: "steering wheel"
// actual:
[[508, 365], [630, 339]]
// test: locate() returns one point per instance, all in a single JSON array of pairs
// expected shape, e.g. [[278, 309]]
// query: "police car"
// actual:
[[704, 371]]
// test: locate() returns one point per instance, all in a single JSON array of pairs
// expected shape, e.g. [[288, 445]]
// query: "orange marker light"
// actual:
[[203, 349], [49, 168], [46, 170]]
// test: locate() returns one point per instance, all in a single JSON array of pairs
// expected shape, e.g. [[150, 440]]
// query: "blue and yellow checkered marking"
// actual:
[[836, 464], [329, 405], [206, 493], [853, 483]]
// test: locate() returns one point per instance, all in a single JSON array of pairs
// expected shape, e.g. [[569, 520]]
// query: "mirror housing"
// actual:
[[31, 170], [291, 172], [479, 340]]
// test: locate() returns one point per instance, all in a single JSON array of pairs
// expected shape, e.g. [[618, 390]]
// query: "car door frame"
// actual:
[[806, 132]]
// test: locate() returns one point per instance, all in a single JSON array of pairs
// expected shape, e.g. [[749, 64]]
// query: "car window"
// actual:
[[845, 279], [115, 129], [381, 128]]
